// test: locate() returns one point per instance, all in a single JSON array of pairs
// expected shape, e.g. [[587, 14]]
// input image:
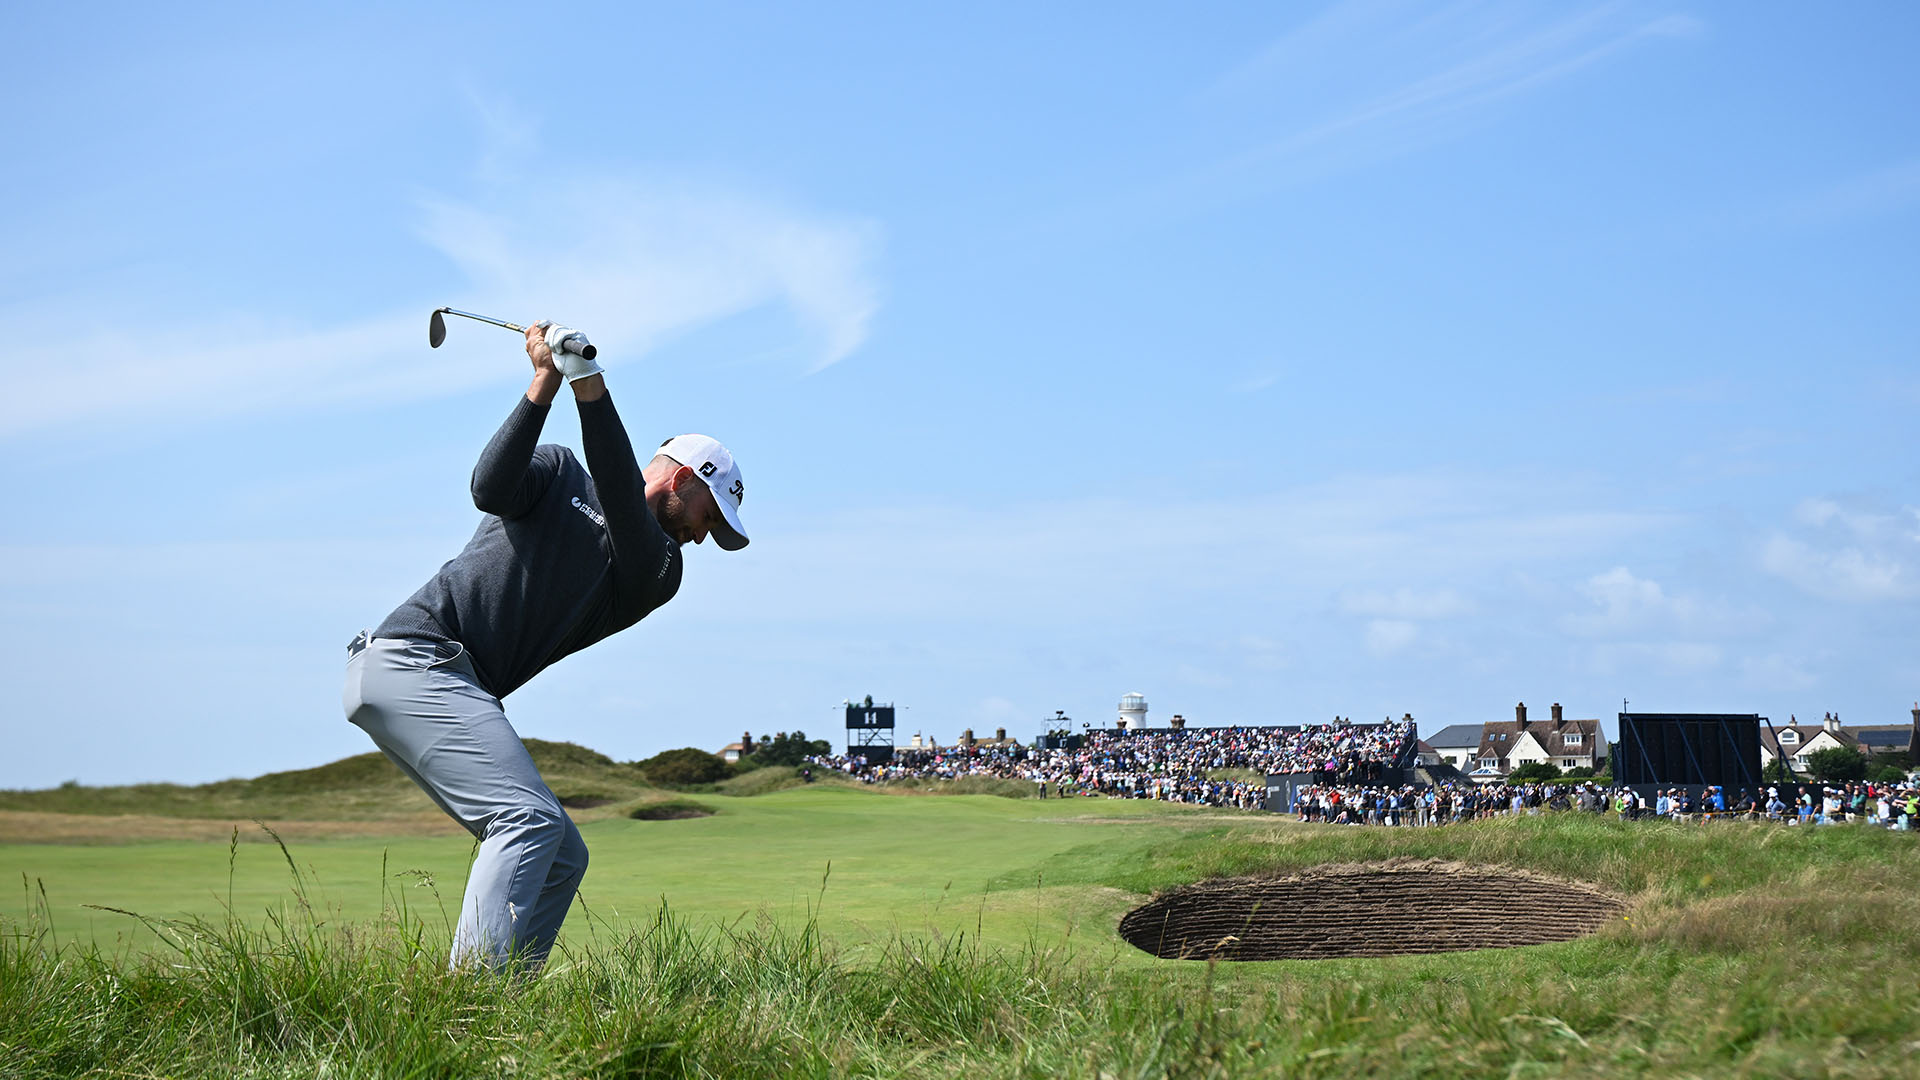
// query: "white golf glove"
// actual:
[[571, 364]]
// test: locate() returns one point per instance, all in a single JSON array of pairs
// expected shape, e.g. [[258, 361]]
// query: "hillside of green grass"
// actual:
[[362, 787]]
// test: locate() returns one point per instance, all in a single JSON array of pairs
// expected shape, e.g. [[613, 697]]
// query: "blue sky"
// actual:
[[1276, 361]]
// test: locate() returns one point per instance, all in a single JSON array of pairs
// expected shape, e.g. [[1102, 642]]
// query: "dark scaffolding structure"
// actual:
[[870, 731], [1688, 750]]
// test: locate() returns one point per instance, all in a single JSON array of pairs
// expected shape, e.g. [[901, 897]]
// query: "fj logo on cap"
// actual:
[[706, 468]]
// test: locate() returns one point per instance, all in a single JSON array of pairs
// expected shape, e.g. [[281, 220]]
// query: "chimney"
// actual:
[[966, 738], [746, 742], [1520, 716], [1179, 722], [1831, 722], [999, 734], [1916, 714], [1556, 714]]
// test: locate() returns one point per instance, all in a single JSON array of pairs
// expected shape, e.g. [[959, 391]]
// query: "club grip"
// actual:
[[578, 343]]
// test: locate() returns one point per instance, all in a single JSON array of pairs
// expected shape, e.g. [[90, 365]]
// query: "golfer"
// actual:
[[565, 556]]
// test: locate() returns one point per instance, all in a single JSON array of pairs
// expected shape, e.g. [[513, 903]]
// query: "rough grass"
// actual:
[[1747, 950], [39, 827], [1655, 861], [761, 781], [964, 785], [786, 777], [670, 810], [1751, 952]]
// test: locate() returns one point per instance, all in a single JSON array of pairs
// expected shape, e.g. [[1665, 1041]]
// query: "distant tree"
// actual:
[[1837, 763], [1886, 772], [1578, 772], [1534, 771], [1899, 758], [1776, 771], [788, 748], [683, 767]]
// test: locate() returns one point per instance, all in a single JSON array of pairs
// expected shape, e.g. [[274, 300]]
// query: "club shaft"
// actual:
[[484, 319]]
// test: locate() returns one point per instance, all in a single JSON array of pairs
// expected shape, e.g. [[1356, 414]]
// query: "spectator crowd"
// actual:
[[1348, 763], [1892, 806], [1176, 765]]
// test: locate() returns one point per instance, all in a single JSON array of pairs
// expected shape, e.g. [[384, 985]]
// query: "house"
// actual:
[[1795, 741], [1901, 742], [733, 751], [1454, 745], [1505, 745], [998, 742]]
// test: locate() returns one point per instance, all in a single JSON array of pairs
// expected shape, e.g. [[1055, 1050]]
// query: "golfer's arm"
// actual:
[[509, 477], [545, 386], [616, 476]]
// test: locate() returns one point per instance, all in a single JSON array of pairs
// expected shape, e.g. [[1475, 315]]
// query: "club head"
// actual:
[[436, 330]]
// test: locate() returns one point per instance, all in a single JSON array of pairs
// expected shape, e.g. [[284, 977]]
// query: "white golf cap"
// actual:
[[712, 463]]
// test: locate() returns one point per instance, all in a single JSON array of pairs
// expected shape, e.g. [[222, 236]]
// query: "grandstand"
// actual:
[[1175, 764]]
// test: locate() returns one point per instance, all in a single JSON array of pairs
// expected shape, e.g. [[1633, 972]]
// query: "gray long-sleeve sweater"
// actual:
[[562, 559]]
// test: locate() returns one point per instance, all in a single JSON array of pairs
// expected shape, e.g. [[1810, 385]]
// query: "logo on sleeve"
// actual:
[[592, 514]]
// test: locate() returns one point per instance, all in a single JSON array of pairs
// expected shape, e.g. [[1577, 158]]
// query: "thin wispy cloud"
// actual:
[[1777, 672], [1405, 603], [1385, 637], [1065, 557], [1672, 657], [1623, 602], [1857, 552], [641, 261], [638, 262], [509, 136], [1367, 80]]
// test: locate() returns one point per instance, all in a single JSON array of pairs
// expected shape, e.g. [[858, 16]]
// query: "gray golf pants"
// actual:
[[422, 705]]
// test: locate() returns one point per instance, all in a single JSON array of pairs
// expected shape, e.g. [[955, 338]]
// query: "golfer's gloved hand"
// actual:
[[571, 364]]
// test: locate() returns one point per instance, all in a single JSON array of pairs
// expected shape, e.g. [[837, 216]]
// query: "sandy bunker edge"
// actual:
[[1396, 907]]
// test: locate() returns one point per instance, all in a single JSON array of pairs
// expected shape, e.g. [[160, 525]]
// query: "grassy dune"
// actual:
[[359, 788], [956, 936]]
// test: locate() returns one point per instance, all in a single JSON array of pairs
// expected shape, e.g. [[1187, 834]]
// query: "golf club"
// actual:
[[437, 331]]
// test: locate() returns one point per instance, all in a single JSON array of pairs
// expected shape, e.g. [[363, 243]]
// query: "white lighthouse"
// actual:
[[1133, 712]]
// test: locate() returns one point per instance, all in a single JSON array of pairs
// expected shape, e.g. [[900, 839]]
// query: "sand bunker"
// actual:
[[1381, 909], [670, 811]]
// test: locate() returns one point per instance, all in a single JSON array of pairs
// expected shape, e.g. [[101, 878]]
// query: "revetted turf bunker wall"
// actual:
[[1381, 909]]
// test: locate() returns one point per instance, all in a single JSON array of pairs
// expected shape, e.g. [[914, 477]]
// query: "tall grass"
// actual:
[[1802, 962]]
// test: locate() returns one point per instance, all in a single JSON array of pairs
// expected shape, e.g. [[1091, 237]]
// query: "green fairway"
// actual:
[[889, 864], [959, 936]]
